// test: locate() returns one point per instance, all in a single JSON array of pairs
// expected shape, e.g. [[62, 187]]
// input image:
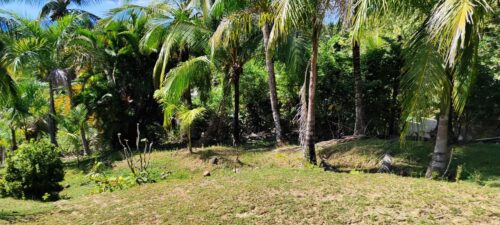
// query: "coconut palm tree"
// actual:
[[263, 11], [441, 67], [57, 9], [308, 16]]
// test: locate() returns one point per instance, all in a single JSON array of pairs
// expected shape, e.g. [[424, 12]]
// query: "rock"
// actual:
[[67, 186], [214, 160], [164, 175], [236, 170], [206, 173], [385, 164]]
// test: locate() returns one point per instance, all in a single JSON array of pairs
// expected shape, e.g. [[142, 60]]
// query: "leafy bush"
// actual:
[[34, 171]]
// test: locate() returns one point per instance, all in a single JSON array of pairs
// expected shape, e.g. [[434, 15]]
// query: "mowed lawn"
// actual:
[[269, 187]]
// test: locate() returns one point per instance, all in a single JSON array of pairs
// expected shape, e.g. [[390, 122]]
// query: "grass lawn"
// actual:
[[273, 187]]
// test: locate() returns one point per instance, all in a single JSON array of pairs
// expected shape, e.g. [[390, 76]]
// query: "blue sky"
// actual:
[[100, 9]]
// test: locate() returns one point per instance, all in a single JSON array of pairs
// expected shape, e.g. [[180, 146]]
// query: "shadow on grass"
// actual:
[[364, 155], [479, 162]]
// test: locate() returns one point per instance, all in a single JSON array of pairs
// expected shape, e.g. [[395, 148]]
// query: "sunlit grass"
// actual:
[[272, 187]]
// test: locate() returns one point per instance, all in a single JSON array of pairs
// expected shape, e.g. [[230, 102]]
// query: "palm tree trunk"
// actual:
[[394, 107], [441, 154], [359, 124], [188, 97], [236, 123], [310, 151], [190, 147], [266, 31], [303, 110], [13, 145], [52, 113]]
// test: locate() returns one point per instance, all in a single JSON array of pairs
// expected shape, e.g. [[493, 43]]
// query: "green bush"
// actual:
[[34, 171]]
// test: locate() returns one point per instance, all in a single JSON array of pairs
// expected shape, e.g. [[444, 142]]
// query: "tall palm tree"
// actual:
[[234, 39], [230, 46], [308, 15], [263, 11]]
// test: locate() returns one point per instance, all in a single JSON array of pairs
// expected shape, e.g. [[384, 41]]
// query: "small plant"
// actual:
[[34, 171], [460, 170], [110, 184], [139, 168], [476, 177]]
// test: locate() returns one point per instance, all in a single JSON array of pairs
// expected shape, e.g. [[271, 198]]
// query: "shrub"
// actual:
[[34, 171]]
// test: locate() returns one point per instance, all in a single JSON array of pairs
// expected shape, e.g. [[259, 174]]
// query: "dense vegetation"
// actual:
[[419, 78]]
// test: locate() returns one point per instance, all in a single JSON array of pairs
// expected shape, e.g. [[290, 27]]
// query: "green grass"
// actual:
[[274, 187], [19, 210]]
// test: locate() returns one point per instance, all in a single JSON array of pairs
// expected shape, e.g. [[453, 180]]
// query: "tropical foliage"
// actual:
[[202, 72]]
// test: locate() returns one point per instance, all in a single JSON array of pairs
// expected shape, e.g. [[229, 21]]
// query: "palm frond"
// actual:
[[188, 116], [179, 78], [425, 83], [289, 15], [448, 23], [8, 88], [232, 30]]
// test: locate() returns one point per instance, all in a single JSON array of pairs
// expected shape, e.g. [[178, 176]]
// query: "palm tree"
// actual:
[[307, 15], [441, 67], [57, 9], [359, 124], [233, 41], [193, 33], [356, 18], [33, 48], [246, 14]]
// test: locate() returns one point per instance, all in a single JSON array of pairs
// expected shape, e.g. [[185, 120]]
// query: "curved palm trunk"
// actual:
[[359, 124], [236, 123], [52, 113], [310, 151], [266, 30]]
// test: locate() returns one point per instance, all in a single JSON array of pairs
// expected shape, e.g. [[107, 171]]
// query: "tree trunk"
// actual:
[[266, 30], [188, 97], [3, 155], [190, 147], [441, 154], [303, 109], [13, 145], [394, 107], [359, 125], [85, 142], [236, 123], [310, 151], [52, 113]]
